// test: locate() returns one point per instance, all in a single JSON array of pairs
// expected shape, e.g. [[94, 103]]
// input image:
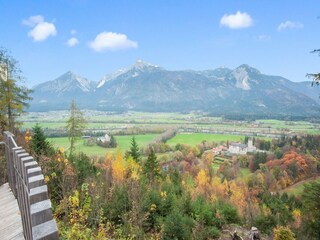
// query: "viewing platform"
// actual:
[[25, 209], [10, 217]]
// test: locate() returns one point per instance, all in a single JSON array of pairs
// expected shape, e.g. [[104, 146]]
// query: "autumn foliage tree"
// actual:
[[202, 181], [13, 97], [118, 168], [283, 233]]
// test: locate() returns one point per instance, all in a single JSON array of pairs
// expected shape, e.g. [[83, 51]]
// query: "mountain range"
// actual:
[[147, 87]]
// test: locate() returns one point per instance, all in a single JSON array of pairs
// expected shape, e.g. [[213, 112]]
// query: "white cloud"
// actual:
[[264, 37], [110, 41], [33, 20], [41, 29], [236, 21], [72, 42], [289, 25]]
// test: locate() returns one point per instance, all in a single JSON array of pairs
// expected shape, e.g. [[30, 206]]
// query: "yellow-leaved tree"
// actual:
[[202, 181], [118, 168], [238, 196], [133, 169]]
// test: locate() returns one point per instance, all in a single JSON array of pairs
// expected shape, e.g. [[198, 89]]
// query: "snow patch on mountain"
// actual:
[[84, 83], [65, 83], [135, 74], [134, 70], [111, 76], [142, 65]]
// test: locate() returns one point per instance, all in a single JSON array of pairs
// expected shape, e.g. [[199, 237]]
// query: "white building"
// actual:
[[104, 139], [239, 148], [251, 148]]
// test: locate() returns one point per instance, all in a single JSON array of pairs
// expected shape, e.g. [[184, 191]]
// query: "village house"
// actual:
[[218, 150], [104, 139]]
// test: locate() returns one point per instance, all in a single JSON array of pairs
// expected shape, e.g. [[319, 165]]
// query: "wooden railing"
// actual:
[[27, 184]]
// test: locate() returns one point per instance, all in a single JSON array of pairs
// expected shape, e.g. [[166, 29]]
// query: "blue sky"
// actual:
[[93, 38]]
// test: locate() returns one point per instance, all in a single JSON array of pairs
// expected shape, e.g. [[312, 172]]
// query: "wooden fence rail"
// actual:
[[27, 184]]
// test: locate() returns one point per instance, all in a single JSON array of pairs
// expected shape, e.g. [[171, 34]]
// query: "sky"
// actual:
[[93, 38]]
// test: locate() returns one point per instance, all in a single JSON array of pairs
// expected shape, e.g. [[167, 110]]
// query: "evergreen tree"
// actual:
[[75, 125], [39, 143], [113, 142], [176, 226], [13, 97], [311, 209], [135, 151], [151, 167]]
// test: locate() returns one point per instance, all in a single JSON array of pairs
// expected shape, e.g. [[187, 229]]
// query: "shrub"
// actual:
[[283, 233], [265, 223], [118, 204], [228, 213], [208, 232], [177, 226], [83, 166]]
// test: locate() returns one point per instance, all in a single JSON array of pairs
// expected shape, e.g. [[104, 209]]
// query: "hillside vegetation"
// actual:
[[189, 194]]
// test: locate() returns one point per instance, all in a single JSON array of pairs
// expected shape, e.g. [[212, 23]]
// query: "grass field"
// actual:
[[107, 120], [123, 144], [195, 138]]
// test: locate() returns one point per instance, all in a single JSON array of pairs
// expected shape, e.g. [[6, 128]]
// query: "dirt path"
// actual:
[[300, 183]]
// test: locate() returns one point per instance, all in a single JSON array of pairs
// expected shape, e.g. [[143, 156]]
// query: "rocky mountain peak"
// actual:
[[248, 69], [142, 65], [147, 87], [244, 75]]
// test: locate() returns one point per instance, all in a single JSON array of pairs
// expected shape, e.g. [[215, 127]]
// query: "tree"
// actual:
[[315, 76], [118, 168], [257, 160], [13, 97], [202, 180], [39, 143], [134, 150], [310, 210], [176, 226], [75, 125], [151, 167], [113, 142], [283, 233]]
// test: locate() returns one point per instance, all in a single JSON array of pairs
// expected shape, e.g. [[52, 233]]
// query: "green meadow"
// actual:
[[123, 143], [195, 138], [142, 140], [96, 119]]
